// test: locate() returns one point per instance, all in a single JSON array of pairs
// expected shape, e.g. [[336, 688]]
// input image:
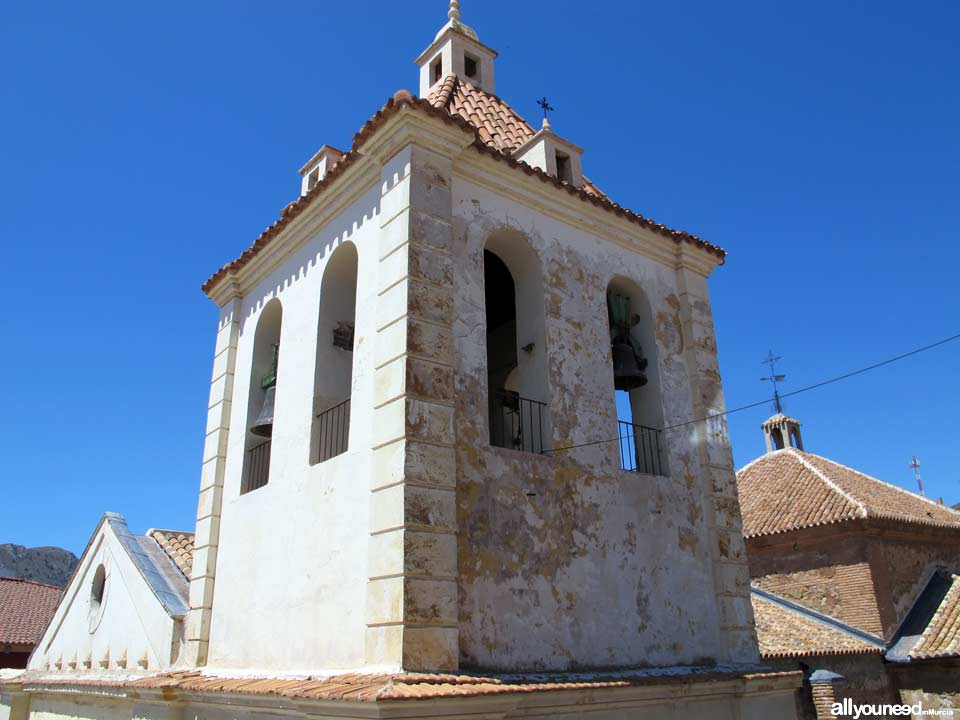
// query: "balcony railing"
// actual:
[[641, 449], [258, 467], [333, 431], [517, 422]]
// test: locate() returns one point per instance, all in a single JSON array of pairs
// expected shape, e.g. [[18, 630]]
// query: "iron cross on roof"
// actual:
[[545, 106], [772, 361]]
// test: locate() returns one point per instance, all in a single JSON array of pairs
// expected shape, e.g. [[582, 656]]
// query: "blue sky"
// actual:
[[145, 145]]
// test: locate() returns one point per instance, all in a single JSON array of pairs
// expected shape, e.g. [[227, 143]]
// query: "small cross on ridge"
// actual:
[[545, 106]]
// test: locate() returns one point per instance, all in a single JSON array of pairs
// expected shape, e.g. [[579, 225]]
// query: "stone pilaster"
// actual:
[[412, 589], [722, 508], [207, 536]]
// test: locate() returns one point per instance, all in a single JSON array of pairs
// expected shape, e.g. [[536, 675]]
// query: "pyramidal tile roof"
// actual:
[[26, 608], [790, 489], [786, 629], [497, 124], [499, 130]]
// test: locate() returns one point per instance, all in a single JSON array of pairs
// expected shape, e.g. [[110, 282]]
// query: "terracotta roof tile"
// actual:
[[787, 632], [358, 687], [495, 127], [941, 637], [178, 545], [26, 608], [790, 489]]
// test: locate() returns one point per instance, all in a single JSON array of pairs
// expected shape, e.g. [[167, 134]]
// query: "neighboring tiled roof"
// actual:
[[507, 133], [786, 629], [931, 628], [941, 638], [403, 686], [178, 545], [790, 489], [26, 608]]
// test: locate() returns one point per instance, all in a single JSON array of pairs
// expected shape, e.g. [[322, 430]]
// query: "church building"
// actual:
[[418, 497], [853, 577]]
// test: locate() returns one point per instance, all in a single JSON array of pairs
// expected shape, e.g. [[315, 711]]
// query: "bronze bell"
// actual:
[[263, 425], [628, 367]]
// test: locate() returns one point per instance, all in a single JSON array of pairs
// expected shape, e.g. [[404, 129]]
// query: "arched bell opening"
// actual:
[[333, 374], [517, 387], [261, 397], [776, 436], [636, 379]]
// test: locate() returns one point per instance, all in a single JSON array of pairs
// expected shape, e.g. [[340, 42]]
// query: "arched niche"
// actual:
[[260, 397], [518, 390], [333, 373], [639, 408]]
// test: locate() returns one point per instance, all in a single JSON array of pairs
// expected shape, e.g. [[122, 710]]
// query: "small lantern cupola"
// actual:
[[552, 154], [318, 166], [780, 431], [456, 51]]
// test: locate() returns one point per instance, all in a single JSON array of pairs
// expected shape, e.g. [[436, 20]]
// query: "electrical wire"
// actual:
[[808, 388]]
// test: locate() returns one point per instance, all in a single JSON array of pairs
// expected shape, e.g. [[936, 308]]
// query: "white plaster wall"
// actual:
[[291, 569], [564, 559], [133, 623]]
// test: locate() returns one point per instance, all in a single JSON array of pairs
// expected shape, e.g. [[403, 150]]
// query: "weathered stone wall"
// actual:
[[933, 684], [829, 573], [868, 575], [866, 679], [565, 560], [905, 562]]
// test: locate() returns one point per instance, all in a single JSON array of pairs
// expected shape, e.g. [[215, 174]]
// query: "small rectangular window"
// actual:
[[563, 168], [436, 71], [470, 67]]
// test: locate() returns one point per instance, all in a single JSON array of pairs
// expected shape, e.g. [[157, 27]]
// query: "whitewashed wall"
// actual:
[[291, 570], [131, 633]]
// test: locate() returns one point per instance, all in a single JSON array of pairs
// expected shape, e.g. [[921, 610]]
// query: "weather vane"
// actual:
[[772, 361], [545, 106]]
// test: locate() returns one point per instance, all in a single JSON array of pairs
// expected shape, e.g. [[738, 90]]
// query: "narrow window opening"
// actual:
[[564, 172], [436, 71], [97, 588], [333, 374], [471, 68], [636, 380], [313, 178], [777, 438]]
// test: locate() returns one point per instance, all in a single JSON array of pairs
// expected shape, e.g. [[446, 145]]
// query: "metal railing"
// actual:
[[517, 422], [258, 467], [333, 431], [641, 449]]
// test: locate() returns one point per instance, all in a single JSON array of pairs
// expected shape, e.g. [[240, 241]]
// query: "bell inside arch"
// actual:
[[628, 366], [263, 425]]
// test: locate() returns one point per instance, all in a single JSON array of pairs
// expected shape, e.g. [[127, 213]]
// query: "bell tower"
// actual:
[[456, 50], [780, 431]]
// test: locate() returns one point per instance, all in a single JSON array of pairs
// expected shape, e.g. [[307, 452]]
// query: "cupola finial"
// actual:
[[454, 12]]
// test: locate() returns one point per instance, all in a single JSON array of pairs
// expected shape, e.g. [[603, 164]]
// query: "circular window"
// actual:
[[98, 590]]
